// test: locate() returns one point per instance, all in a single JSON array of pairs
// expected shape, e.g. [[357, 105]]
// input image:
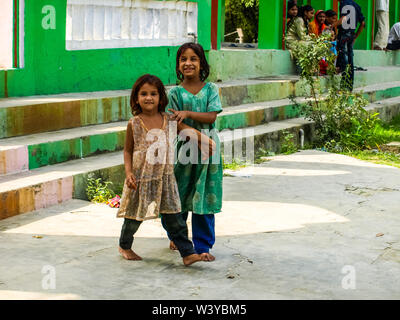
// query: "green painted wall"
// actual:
[[50, 69], [394, 12], [270, 24]]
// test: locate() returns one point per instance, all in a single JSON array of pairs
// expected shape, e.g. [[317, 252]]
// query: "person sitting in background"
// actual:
[[292, 11], [394, 37], [331, 19], [318, 24], [297, 30]]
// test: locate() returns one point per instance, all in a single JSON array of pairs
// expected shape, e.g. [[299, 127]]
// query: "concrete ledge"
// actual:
[[228, 64]]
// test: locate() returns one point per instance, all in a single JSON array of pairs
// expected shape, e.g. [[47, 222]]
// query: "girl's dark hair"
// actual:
[[290, 5], [153, 80], [199, 51], [302, 11], [330, 13]]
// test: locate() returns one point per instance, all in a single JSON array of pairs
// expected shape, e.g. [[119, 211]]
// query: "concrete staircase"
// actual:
[[50, 145]]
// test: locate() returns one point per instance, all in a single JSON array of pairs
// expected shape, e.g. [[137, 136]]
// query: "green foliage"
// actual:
[[390, 131], [98, 191], [309, 53], [385, 158], [234, 165], [341, 122], [288, 144], [242, 14]]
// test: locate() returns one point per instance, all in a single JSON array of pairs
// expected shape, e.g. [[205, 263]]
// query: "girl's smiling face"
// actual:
[[148, 98], [189, 64]]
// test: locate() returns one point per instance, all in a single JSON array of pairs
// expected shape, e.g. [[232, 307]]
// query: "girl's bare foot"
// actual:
[[172, 246], [128, 254], [188, 260], [206, 256]]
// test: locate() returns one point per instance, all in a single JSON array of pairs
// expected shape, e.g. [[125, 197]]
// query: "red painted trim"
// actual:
[[336, 6], [284, 24], [15, 62], [214, 24]]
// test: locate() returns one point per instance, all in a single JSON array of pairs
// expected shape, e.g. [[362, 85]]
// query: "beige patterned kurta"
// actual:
[[153, 168]]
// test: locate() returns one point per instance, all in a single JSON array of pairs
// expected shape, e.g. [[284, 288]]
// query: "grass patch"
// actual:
[[390, 131], [236, 164], [385, 158]]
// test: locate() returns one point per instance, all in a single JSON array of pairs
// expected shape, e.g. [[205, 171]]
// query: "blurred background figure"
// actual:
[[382, 18], [394, 37], [318, 24], [331, 19]]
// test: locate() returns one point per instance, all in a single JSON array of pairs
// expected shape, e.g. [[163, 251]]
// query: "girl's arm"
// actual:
[[206, 145], [128, 154], [214, 106], [202, 117]]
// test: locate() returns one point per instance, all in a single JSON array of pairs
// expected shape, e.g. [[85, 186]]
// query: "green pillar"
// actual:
[[222, 20], [394, 12], [204, 24], [364, 41], [270, 24]]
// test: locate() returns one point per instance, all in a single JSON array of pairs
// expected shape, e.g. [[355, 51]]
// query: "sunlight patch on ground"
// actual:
[[246, 217], [318, 157], [26, 295], [237, 217], [269, 171]]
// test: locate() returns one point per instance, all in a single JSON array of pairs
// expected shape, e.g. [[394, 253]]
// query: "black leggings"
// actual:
[[172, 223]]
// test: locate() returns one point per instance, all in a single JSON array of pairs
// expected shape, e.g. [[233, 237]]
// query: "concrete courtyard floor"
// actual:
[[311, 225]]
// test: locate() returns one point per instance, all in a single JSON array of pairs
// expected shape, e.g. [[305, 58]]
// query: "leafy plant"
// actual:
[[242, 14], [234, 165], [341, 122], [288, 145], [99, 191]]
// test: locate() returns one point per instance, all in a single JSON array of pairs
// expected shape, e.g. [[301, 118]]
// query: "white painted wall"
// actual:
[[99, 24], [6, 34]]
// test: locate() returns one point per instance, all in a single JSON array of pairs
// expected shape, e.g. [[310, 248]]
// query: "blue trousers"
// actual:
[[203, 231]]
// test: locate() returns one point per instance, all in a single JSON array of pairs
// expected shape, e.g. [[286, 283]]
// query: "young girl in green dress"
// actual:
[[150, 188], [197, 104]]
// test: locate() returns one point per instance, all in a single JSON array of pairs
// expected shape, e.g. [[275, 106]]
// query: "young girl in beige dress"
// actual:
[[150, 188]]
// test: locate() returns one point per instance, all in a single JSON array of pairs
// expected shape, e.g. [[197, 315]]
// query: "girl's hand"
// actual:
[[131, 181], [180, 115], [207, 148]]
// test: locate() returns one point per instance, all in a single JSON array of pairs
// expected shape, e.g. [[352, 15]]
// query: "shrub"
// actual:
[[97, 191], [341, 122]]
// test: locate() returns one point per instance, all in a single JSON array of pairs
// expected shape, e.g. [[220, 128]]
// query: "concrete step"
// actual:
[[23, 153], [43, 187], [33, 151], [37, 114], [50, 185]]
